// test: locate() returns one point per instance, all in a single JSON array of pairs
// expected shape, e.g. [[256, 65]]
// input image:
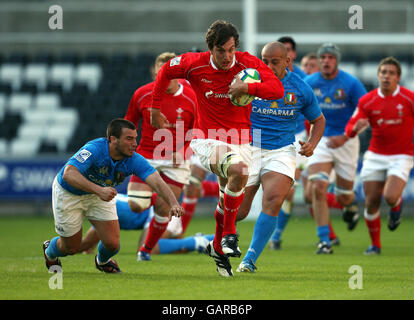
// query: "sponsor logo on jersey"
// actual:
[[210, 94], [274, 104], [175, 62], [317, 92], [206, 80], [339, 94], [83, 155], [104, 170], [290, 98], [274, 112]]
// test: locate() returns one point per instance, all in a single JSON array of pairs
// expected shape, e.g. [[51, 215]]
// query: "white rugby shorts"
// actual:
[[69, 210], [180, 174], [301, 160], [281, 160], [204, 148], [345, 158], [377, 167]]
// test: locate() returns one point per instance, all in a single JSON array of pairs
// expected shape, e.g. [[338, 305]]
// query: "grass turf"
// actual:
[[295, 272]]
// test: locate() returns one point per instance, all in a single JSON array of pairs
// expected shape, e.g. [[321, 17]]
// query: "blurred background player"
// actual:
[[130, 220], [389, 110], [273, 150], [164, 149], [309, 63], [223, 140], [338, 93], [84, 188], [290, 45]]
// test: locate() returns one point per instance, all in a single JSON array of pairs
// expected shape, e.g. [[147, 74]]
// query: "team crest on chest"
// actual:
[[400, 110], [339, 94], [290, 98], [273, 104], [179, 113]]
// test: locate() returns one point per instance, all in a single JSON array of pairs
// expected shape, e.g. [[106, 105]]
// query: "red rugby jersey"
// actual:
[[215, 111], [391, 119], [179, 109]]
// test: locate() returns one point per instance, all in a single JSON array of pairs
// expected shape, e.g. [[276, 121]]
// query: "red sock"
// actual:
[[155, 231], [332, 202], [232, 201], [311, 211], [189, 204], [210, 188], [374, 229], [219, 217], [332, 234], [398, 206], [153, 199]]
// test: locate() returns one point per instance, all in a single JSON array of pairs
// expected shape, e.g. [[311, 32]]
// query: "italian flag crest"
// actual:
[[290, 98]]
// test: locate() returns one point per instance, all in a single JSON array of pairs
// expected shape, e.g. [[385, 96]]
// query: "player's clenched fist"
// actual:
[[177, 211], [107, 193]]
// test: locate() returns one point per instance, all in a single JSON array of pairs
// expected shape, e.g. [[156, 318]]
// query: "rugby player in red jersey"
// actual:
[[222, 130], [389, 110], [164, 149]]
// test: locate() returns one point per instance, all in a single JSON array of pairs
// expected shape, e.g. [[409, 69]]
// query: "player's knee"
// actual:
[[239, 173], [344, 196], [391, 199], [320, 182], [138, 201]]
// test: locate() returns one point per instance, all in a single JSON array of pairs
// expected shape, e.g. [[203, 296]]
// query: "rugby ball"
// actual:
[[248, 75]]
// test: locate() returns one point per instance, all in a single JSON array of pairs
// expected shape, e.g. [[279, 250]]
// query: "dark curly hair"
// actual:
[[220, 32]]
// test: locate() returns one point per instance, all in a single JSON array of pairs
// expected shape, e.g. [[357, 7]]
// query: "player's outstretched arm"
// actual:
[[72, 176], [155, 181]]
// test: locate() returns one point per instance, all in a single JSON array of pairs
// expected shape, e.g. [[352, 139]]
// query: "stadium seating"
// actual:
[[54, 104]]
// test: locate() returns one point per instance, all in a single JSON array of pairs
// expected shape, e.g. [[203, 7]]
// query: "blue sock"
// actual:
[[104, 254], [52, 251], [323, 233], [263, 229], [282, 220], [172, 245]]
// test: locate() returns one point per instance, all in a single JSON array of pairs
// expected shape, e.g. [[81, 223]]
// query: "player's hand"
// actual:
[[107, 193], [158, 119], [337, 141], [306, 148], [238, 88], [177, 211]]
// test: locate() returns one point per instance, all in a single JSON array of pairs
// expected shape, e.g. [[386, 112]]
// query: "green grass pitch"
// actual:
[[295, 272]]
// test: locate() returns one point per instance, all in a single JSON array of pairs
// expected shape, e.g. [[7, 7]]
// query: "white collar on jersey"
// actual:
[[214, 66], [397, 91], [179, 91]]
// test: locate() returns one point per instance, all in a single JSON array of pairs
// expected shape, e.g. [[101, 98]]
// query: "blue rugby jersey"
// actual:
[[95, 164], [337, 99], [300, 126], [277, 119]]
